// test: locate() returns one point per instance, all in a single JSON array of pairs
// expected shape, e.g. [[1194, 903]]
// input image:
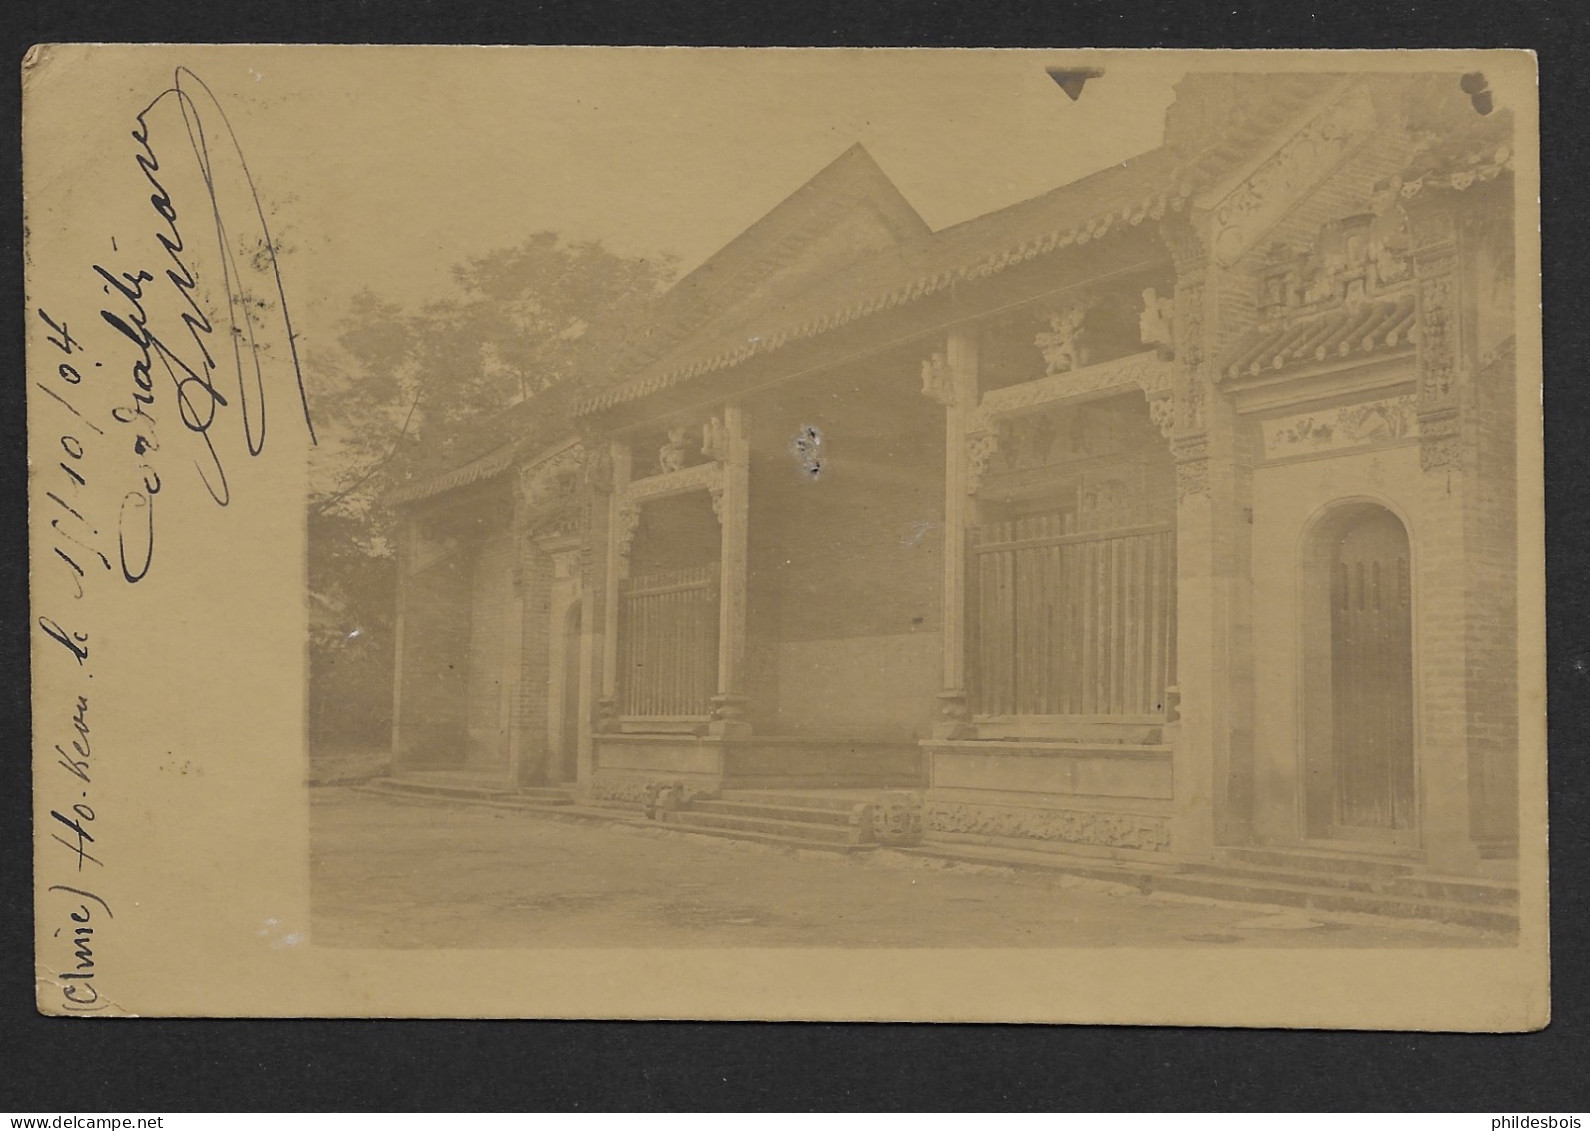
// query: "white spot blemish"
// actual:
[[354, 633], [807, 447]]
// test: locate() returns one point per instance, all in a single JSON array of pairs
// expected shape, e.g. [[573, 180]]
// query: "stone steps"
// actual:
[[806, 814], [1379, 884], [1404, 885], [1313, 895], [1309, 860], [800, 838], [458, 791], [1260, 874], [790, 799], [797, 823]]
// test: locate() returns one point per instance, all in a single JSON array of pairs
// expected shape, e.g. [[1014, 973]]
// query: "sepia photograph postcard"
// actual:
[[983, 535]]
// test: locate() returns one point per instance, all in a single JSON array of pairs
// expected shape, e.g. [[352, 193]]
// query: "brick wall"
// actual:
[[845, 589], [531, 705], [432, 664], [490, 599]]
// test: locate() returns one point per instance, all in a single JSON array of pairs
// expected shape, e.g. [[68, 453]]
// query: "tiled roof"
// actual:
[[1367, 328], [1121, 196], [493, 463], [501, 438]]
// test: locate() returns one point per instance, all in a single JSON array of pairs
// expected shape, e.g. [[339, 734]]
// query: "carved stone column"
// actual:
[[1441, 333], [596, 495], [622, 516], [951, 379], [731, 500], [1193, 703], [1442, 596]]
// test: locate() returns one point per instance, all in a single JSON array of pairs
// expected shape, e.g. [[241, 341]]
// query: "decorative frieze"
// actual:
[[701, 477], [1146, 371], [1190, 323], [1191, 454], [1349, 426], [1440, 452], [1256, 205], [1437, 334], [1351, 260], [614, 789], [1441, 360], [1001, 409], [1110, 830]]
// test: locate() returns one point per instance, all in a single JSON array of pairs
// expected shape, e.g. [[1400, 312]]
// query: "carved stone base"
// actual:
[[897, 818], [728, 717], [621, 790], [1109, 830], [954, 717]]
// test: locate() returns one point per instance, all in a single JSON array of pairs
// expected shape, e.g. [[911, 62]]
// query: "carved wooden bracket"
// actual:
[[626, 519], [702, 477], [715, 439], [698, 478], [1147, 371], [938, 379]]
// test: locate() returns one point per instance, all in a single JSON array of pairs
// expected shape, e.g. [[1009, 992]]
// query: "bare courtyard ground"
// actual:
[[390, 873]]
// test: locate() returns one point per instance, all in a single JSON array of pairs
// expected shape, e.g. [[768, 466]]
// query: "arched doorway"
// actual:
[[1361, 780]]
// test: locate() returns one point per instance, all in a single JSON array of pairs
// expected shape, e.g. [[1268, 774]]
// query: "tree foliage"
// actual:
[[404, 393]]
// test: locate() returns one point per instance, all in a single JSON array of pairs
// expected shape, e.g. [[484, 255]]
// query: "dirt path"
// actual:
[[424, 875]]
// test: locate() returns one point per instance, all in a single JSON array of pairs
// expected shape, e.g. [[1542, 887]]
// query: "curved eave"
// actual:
[[1154, 206]]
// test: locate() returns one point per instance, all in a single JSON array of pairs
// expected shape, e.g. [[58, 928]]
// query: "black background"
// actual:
[[50, 1065]]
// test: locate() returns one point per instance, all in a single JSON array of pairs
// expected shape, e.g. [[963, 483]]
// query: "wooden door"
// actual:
[[1372, 682]]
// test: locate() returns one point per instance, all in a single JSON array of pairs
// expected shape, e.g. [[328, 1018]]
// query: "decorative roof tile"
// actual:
[[1351, 331]]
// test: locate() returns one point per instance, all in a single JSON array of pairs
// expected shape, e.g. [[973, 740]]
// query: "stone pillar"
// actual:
[[1213, 732], [1441, 594], [594, 542], [951, 379], [731, 500], [622, 515]]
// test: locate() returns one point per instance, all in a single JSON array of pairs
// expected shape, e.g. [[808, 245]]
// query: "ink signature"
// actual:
[[210, 373]]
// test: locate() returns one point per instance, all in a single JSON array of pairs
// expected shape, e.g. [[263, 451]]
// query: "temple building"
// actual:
[[1162, 517]]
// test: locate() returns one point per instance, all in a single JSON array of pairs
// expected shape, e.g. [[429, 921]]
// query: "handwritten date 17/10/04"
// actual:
[[206, 322]]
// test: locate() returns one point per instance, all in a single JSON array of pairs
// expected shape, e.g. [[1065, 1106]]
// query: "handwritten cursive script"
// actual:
[[186, 322]]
